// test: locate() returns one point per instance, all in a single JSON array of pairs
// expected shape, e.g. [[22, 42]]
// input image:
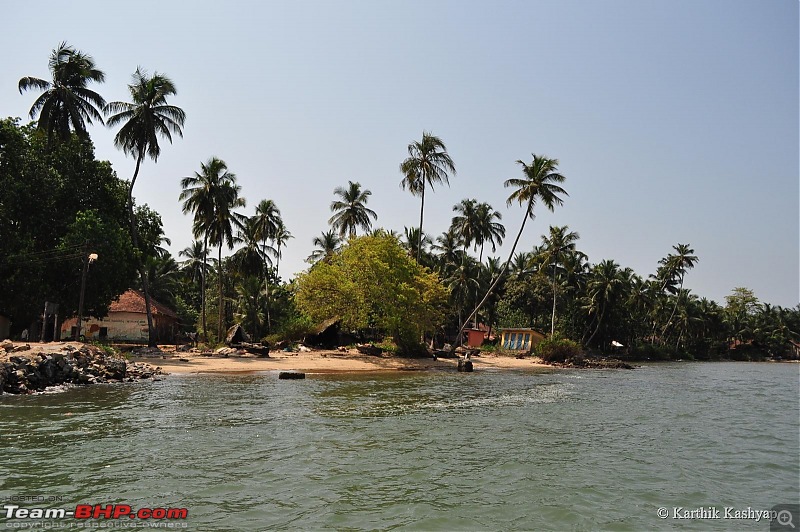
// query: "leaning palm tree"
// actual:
[[540, 183], [350, 211], [555, 247], [428, 163], [66, 103], [143, 121]]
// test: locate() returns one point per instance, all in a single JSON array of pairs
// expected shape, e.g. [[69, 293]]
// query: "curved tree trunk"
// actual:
[[421, 210], [151, 337], [461, 327]]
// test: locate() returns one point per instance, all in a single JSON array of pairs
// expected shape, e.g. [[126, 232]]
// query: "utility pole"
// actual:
[[87, 259]]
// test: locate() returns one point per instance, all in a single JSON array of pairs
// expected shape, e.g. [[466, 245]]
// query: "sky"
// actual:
[[674, 121]]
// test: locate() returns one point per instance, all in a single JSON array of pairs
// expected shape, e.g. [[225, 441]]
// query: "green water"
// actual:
[[553, 450]]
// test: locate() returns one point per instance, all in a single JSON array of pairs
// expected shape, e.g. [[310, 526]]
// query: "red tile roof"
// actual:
[[133, 301]]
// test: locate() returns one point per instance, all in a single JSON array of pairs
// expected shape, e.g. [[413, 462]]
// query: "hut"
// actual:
[[519, 339]]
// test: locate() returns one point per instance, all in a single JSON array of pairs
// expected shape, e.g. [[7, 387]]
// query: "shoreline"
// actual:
[[322, 362]]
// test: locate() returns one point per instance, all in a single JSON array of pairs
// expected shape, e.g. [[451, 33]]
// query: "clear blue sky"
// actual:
[[675, 121]]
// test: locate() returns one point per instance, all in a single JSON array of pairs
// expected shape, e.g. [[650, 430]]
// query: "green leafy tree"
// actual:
[[66, 103], [143, 121], [52, 198], [428, 163], [373, 283]]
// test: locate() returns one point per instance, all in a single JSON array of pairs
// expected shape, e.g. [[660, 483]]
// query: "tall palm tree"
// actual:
[[486, 230], [265, 223], [540, 183], [211, 195], [465, 224], [196, 259], [280, 238], [327, 244], [143, 121], [66, 102], [350, 211], [428, 163], [603, 289], [489, 230], [678, 265], [555, 246]]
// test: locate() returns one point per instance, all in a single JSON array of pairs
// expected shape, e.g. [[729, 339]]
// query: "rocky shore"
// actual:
[[25, 369]]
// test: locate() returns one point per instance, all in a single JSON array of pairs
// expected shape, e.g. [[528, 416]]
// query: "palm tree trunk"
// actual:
[[477, 307], [266, 288], [151, 338], [421, 210], [599, 322], [674, 308], [499, 275], [553, 319], [203, 288], [221, 310]]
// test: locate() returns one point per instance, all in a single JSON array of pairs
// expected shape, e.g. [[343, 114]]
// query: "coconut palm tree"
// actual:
[[677, 265], [555, 247], [486, 229], [143, 121], [211, 195], [411, 239], [66, 103], [603, 289], [282, 236], [327, 244], [540, 183], [465, 224], [196, 259], [489, 230], [350, 211], [428, 163]]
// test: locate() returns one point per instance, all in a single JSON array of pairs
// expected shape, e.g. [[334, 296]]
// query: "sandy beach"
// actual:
[[321, 361]]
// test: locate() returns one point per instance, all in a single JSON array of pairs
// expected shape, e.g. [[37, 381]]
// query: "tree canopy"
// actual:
[[373, 283]]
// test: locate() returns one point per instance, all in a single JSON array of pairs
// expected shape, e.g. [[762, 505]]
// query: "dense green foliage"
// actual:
[[373, 283], [57, 205]]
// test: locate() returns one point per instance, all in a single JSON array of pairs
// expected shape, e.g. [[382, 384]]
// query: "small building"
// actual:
[[477, 335], [127, 321], [519, 339]]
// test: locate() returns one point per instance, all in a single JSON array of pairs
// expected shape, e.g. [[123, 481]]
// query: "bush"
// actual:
[[558, 349], [294, 330]]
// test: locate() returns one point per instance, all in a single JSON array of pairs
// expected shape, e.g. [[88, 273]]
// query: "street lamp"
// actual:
[[87, 259]]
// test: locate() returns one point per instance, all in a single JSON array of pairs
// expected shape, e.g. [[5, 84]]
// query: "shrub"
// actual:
[[558, 349]]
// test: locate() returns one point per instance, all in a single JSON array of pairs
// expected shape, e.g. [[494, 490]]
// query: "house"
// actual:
[[127, 321], [519, 339]]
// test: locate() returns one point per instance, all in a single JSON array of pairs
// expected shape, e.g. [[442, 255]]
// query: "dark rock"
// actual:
[[465, 365], [369, 350], [291, 375]]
